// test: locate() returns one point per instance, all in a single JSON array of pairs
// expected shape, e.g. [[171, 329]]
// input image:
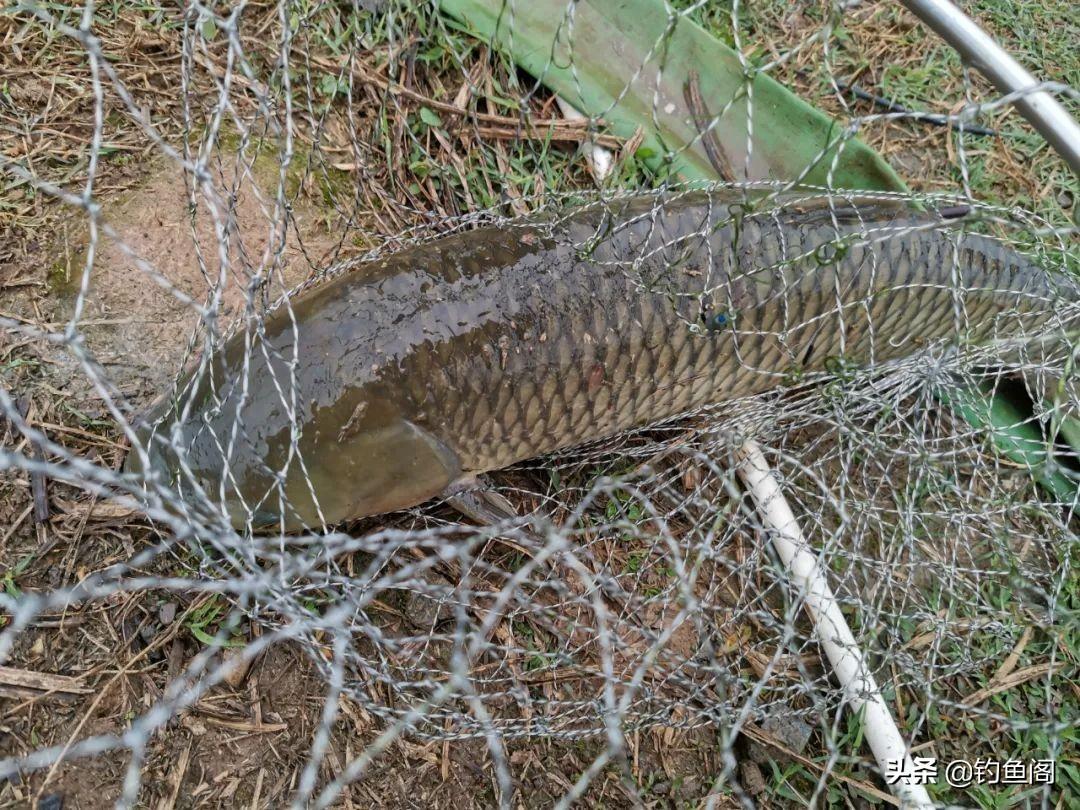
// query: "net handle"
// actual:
[[849, 663], [978, 48]]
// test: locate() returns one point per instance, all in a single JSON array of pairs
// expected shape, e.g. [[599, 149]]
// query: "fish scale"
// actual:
[[478, 350]]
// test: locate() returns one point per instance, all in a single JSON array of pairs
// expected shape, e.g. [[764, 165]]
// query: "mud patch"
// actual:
[[224, 249]]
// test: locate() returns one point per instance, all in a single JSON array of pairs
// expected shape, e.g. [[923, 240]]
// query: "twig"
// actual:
[[177, 779], [1009, 681], [544, 132], [242, 725], [1009, 664], [37, 478], [41, 682], [21, 282], [360, 73], [929, 118], [15, 525], [714, 150]]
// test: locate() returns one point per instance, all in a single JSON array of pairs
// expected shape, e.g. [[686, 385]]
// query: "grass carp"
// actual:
[[392, 383]]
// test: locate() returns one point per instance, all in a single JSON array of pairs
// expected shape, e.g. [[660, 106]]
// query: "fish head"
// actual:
[[358, 456]]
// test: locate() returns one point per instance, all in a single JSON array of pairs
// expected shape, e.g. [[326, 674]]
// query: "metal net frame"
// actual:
[[635, 587]]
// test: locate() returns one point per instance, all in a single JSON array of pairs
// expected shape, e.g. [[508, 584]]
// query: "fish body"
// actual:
[[389, 384]]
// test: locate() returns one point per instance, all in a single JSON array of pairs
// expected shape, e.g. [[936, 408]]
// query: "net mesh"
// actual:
[[622, 631]]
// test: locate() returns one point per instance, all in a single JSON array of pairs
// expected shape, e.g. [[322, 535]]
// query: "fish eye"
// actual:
[[718, 320]]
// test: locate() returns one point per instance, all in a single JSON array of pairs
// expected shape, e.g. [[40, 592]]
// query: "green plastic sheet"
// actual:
[[631, 63]]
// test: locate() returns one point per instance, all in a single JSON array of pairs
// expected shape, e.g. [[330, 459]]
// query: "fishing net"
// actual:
[[622, 631]]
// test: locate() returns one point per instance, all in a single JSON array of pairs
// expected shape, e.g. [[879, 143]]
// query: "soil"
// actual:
[[139, 316]]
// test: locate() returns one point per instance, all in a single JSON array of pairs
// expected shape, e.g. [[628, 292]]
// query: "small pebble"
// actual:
[[196, 727], [431, 607], [750, 776], [235, 666], [784, 725], [789, 729]]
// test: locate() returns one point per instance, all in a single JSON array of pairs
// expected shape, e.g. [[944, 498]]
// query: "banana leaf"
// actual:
[[1015, 434], [626, 62], [639, 67]]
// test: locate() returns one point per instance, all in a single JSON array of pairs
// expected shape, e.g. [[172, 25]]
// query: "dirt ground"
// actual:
[[143, 330]]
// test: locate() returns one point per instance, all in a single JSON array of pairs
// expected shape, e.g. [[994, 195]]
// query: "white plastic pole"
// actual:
[[834, 635]]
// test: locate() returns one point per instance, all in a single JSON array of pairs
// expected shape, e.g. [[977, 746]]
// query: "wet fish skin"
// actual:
[[481, 349]]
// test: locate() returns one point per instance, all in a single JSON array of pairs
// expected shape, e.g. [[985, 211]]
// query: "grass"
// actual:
[[1016, 170]]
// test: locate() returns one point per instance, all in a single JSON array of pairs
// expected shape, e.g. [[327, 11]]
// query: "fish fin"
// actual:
[[474, 497], [851, 208], [861, 207]]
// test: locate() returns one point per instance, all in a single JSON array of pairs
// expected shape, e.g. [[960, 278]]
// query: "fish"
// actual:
[[409, 375]]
